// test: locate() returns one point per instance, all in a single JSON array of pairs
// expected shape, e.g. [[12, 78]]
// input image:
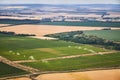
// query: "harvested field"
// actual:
[[88, 75], [40, 30]]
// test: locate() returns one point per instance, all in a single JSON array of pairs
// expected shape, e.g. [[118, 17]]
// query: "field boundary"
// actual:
[[65, 57], [19, 66], [75, 56], [35, 72]]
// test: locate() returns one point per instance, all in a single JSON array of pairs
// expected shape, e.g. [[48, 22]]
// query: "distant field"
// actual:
[[106, 34], [22, 48], [13, 21], [88, 23], [6, 70], [80, 63], [62, 23]]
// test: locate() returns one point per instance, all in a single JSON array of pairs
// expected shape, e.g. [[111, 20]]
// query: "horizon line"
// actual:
[[61, 4]]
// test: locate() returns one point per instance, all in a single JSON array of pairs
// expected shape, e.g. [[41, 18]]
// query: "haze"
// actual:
[[59, 2]]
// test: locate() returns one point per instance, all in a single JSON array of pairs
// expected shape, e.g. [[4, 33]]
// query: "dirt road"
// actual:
[[11, 63]]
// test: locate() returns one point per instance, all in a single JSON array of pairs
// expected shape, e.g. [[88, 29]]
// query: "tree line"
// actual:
[[80, 37], [14, 34]]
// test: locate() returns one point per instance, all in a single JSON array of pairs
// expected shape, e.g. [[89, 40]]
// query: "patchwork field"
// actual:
[[59, 41], [106, 34], [53, 55]]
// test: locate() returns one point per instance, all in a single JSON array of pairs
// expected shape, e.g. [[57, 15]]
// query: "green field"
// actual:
[[6, 70], [15, 21], [63, 23], [22, 48], [80, 63], [88, 23], [17, 48], [106, 34]]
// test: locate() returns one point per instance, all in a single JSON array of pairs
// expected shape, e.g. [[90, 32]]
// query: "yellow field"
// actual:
[[40, 30], [89, 75]]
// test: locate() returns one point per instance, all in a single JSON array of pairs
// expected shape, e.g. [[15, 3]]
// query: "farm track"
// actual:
[[75, 56], [23, 61], [35, 71], [66, 57], [11, 63]]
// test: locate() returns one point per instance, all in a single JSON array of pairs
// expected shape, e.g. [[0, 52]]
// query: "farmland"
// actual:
[[13, 21], [24, 47], [7, 70], [61, 23], [81, 37], [87, 23], [87, 75], [59, 41], [80, 63], [106, 34], [41, 30], [47, 55]]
